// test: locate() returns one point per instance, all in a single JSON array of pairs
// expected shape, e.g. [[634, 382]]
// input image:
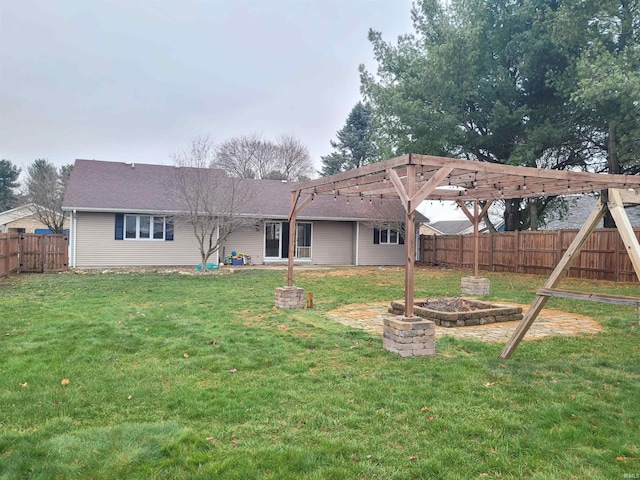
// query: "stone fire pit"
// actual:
[[460, 311]]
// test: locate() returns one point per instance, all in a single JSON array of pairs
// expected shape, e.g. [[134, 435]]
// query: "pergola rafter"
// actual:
[[415, 178]]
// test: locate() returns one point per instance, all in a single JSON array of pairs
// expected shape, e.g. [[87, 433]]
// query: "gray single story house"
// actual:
[[122, 214]]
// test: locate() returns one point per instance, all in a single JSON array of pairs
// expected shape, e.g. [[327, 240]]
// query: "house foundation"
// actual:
[[290, 297], [475, 286], [409, 337]]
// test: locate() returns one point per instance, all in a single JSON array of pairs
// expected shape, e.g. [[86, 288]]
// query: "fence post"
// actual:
[[43, 253], [7, 256], [434, 249], [516, 252]]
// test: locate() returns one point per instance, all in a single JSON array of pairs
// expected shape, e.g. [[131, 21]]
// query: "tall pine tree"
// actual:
[[355, 146], [9, 174]]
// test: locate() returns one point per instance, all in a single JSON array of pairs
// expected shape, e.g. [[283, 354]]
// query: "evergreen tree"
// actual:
[[9, 174], [355, 146], [482, 80]]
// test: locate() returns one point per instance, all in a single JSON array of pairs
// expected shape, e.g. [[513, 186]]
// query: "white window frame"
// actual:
[[389, 231], [281, 240], [152, 223], [310, 247], [264, 239]]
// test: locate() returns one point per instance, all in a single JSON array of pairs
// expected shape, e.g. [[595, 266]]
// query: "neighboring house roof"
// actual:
[[459, 227], [123, 187], [580, 207], [17, 213], [450, 227]]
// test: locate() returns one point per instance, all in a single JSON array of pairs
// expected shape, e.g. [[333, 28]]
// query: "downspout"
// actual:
[[74, 237], [357, 244], [217, 243]]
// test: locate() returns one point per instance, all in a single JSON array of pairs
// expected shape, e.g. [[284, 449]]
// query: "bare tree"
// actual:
[[211, 201], [45, 186], [245, 157], [251, 156], [294, 162]]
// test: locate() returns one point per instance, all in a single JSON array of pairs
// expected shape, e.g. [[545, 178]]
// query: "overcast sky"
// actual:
[[135, 80]]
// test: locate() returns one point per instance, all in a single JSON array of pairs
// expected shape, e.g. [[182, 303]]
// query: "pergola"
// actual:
[[414, 178]]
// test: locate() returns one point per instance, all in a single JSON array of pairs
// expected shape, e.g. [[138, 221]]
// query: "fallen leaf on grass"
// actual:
[[186, 355], [65, 381], [25, 384]]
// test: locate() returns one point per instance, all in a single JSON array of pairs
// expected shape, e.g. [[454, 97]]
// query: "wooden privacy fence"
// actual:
[[603, 256], [32, 253], [9, 254]]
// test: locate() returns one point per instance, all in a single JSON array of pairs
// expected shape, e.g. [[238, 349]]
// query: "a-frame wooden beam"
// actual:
[[564, 264], [616, 202]]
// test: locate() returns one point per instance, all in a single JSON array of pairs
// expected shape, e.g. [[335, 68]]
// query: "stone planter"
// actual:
[[485, 314]]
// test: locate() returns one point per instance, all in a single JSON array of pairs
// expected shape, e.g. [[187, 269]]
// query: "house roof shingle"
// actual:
[[579, 209], [123, 187]]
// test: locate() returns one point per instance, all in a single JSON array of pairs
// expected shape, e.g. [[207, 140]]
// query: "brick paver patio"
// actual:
[[550, 322]]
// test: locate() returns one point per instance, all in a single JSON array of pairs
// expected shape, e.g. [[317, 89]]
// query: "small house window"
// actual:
[[387, 235], [143, 227]]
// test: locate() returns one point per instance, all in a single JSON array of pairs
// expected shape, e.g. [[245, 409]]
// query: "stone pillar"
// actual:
[[475, 285], [290, 297], [409, 337]]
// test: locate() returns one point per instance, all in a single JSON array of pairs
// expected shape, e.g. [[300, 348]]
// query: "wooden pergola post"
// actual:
[[410, 200], [475, 219], [293, 215], [410, 243]]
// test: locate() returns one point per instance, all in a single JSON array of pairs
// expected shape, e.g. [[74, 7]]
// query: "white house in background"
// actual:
[[122, 215], [456, 227], [23, 219]]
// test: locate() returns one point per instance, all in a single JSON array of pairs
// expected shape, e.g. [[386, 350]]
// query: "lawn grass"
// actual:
[[186, 377]]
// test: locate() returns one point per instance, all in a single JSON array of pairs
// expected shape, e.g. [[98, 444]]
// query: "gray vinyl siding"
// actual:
[[96, 246], [371, 254], [332, 243], [247, 240]]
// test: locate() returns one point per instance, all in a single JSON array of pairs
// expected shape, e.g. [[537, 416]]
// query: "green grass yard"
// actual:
[[186, 377]]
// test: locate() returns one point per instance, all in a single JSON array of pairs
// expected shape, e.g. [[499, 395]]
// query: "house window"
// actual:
[[272, 239], [303, 240], [387, 235], [147, 227], [277, 240]]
